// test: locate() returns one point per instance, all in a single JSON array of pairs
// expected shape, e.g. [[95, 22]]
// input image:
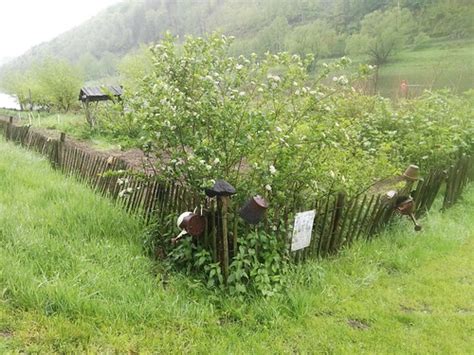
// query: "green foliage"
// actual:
[[421, 40], [317, 38], [134, 66], [270, 128], [49, 84], [58, 83], [272, 38], [196, 261], [16, 84], [258, 268], [451, 19], [207, 115], [446, 126], [258, 25], [382, 34]]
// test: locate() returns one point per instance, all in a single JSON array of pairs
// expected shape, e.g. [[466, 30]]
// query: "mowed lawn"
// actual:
[[74, 278]]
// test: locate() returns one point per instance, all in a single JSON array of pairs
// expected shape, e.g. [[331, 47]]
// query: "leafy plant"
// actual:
[[259, 265]]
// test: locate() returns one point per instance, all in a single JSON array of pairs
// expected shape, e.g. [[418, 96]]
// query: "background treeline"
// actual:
[[47, 85], [325, 28]]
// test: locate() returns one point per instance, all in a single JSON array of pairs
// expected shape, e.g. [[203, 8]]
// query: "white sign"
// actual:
[[302, 230]]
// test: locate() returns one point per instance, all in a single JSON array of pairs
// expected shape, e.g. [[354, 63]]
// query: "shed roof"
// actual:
[[100, 93]]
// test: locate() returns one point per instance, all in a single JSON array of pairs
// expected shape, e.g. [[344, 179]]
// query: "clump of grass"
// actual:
[[74, 278]]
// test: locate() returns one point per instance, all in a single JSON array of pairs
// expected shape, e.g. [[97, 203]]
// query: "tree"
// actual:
[[58, 82], [108, 64], [382, 34], [16, 83], [272, 37], [89, 65], [317, 38], [134, 67]]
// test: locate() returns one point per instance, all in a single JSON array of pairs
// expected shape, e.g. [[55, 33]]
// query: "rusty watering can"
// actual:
[[190, 223], [406, 207]]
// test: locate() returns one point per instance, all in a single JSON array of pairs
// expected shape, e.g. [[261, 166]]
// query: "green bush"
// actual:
[[269, 127], [421, 40]]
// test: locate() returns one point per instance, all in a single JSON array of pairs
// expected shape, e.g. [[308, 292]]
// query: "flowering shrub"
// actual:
[[269, 127], [259, 124]]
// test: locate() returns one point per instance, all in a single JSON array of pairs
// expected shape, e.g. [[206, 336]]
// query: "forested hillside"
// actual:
[[325, 28]]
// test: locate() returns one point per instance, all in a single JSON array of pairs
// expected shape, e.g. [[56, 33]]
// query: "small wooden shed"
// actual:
[[100, 93], [96, 94]]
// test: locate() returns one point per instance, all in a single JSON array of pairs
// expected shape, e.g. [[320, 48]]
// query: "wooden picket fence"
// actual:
[[340, 219]]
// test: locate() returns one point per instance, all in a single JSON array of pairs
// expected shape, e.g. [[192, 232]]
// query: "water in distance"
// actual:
[[8, 101]]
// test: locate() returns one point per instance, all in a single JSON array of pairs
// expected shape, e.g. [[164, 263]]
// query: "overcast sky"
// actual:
[[25, 23]]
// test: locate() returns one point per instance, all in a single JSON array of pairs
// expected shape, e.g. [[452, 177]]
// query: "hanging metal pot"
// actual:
[[412, 173], [254, 210]]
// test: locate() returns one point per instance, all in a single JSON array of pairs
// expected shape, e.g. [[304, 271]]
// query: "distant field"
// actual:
[[74, 279], [439, 65]]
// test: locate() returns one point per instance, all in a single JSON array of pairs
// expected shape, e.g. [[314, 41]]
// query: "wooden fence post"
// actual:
[[339, 204], [60, 150], [8, 135], [223, 205]]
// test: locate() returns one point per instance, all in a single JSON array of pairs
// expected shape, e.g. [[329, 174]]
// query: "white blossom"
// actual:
[[342, 80], [268, 187], [275, 78], [272, 170]]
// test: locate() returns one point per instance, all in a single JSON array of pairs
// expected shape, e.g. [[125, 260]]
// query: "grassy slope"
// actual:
[[438, 65], [73, 277]]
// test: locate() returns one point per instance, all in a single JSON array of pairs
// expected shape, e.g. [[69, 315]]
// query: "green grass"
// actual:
[[73, 124], [73, 278], [441, 64]]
